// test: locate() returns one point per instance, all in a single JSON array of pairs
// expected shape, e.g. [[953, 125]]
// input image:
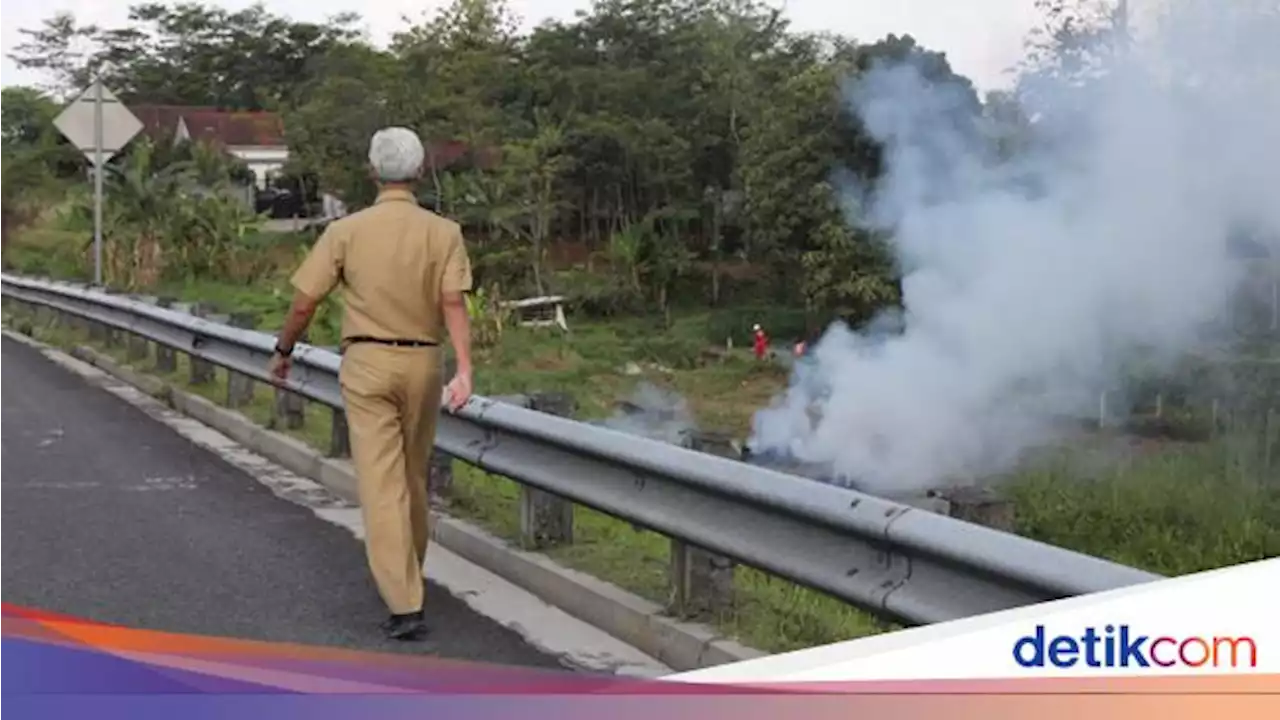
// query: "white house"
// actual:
[[256, 138]]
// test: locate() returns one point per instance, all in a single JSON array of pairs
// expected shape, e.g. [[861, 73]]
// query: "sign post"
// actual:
[[97, 184], [99, 125]]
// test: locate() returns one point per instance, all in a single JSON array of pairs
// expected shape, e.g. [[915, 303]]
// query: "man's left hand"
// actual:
[[279, 368]]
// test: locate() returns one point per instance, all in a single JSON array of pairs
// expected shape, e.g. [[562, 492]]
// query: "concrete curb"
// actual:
[[634, 620]]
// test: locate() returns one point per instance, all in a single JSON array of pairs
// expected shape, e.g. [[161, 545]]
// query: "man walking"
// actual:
[[404, 271]]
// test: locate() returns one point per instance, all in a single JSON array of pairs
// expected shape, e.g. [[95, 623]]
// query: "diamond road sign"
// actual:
[[119, 126]]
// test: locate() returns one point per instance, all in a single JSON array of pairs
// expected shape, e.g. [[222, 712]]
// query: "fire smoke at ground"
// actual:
[[1027, 283]]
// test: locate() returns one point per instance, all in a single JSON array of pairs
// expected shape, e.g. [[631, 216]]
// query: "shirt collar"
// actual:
[[395, 194]]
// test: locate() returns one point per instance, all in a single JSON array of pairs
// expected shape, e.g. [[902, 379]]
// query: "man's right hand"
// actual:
[[459, 391]]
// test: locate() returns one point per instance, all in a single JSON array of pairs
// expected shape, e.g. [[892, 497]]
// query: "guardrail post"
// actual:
[[137, 345], [290, 408], [440, 469], [702, 581], [339, 435], [981, 506], [240, 387], [25, 320], [114, 338], [41, 317], [221, 319], [74, 323], [545, 519], [202, 373], [111, 337], [166, 358]]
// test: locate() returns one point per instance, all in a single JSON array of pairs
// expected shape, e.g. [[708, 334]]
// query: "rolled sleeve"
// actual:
[[457, 265], [320, 271]]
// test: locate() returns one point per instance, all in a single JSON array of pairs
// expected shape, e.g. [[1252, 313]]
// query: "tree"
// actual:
[[1071, 47], [186, 54], [21, 171], [58, 48], [674, 137], [347, 101], [170, 217], [35, 155], [467, 55], [533, 168]]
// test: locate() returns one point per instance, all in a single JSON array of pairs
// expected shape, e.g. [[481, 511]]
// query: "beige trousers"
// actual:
[[392, 398]]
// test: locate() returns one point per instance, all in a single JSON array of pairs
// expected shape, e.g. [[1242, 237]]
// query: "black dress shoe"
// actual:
[[407, 626]]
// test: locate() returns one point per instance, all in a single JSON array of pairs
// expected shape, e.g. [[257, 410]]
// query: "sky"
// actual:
[[982, 38]]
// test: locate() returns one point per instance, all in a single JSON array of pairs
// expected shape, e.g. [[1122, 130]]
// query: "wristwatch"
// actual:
[[282, 352]]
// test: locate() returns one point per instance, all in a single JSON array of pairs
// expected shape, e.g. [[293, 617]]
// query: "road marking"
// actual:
[[73, 485], [164, 483], [51, 437], [547, 628]]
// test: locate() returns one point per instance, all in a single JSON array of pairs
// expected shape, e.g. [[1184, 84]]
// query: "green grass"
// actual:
[[1175, 509]]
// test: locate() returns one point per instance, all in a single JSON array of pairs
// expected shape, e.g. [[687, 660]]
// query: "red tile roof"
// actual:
[[232, 128], [235, 128], [448, 152], [159, 120], [228, 128]]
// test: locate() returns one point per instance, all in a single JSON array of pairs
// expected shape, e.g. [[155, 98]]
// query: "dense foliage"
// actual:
[[680, 149]]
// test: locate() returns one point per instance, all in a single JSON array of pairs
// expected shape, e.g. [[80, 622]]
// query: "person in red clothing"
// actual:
[[761, 342]]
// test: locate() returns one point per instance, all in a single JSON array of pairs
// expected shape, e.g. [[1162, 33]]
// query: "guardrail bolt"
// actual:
[[546, 520], [979, 505], [339, 435], [290, 408], [240, 387], [202, 372], [166, 358], [702, 581]]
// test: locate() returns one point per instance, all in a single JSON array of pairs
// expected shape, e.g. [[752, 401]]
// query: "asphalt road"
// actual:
[[110, 515]]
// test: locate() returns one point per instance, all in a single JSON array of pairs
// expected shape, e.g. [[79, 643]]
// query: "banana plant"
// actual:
[[488, 317]]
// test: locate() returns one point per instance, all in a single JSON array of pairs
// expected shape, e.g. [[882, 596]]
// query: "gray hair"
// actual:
[[396, 154]]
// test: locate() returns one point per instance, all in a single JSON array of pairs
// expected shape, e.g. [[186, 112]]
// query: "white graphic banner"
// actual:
[[1219, 622]]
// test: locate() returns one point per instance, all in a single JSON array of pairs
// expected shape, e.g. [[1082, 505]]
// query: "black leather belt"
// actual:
[[389, 341]]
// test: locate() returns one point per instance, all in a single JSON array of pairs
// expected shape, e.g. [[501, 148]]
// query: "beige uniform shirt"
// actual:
[[394, 261]]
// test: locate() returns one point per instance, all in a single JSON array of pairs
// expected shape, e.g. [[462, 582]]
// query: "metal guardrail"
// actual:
[[891, 559]]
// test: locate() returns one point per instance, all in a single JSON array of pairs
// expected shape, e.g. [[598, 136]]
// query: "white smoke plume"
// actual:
[[1027, 283], [654, 413]]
